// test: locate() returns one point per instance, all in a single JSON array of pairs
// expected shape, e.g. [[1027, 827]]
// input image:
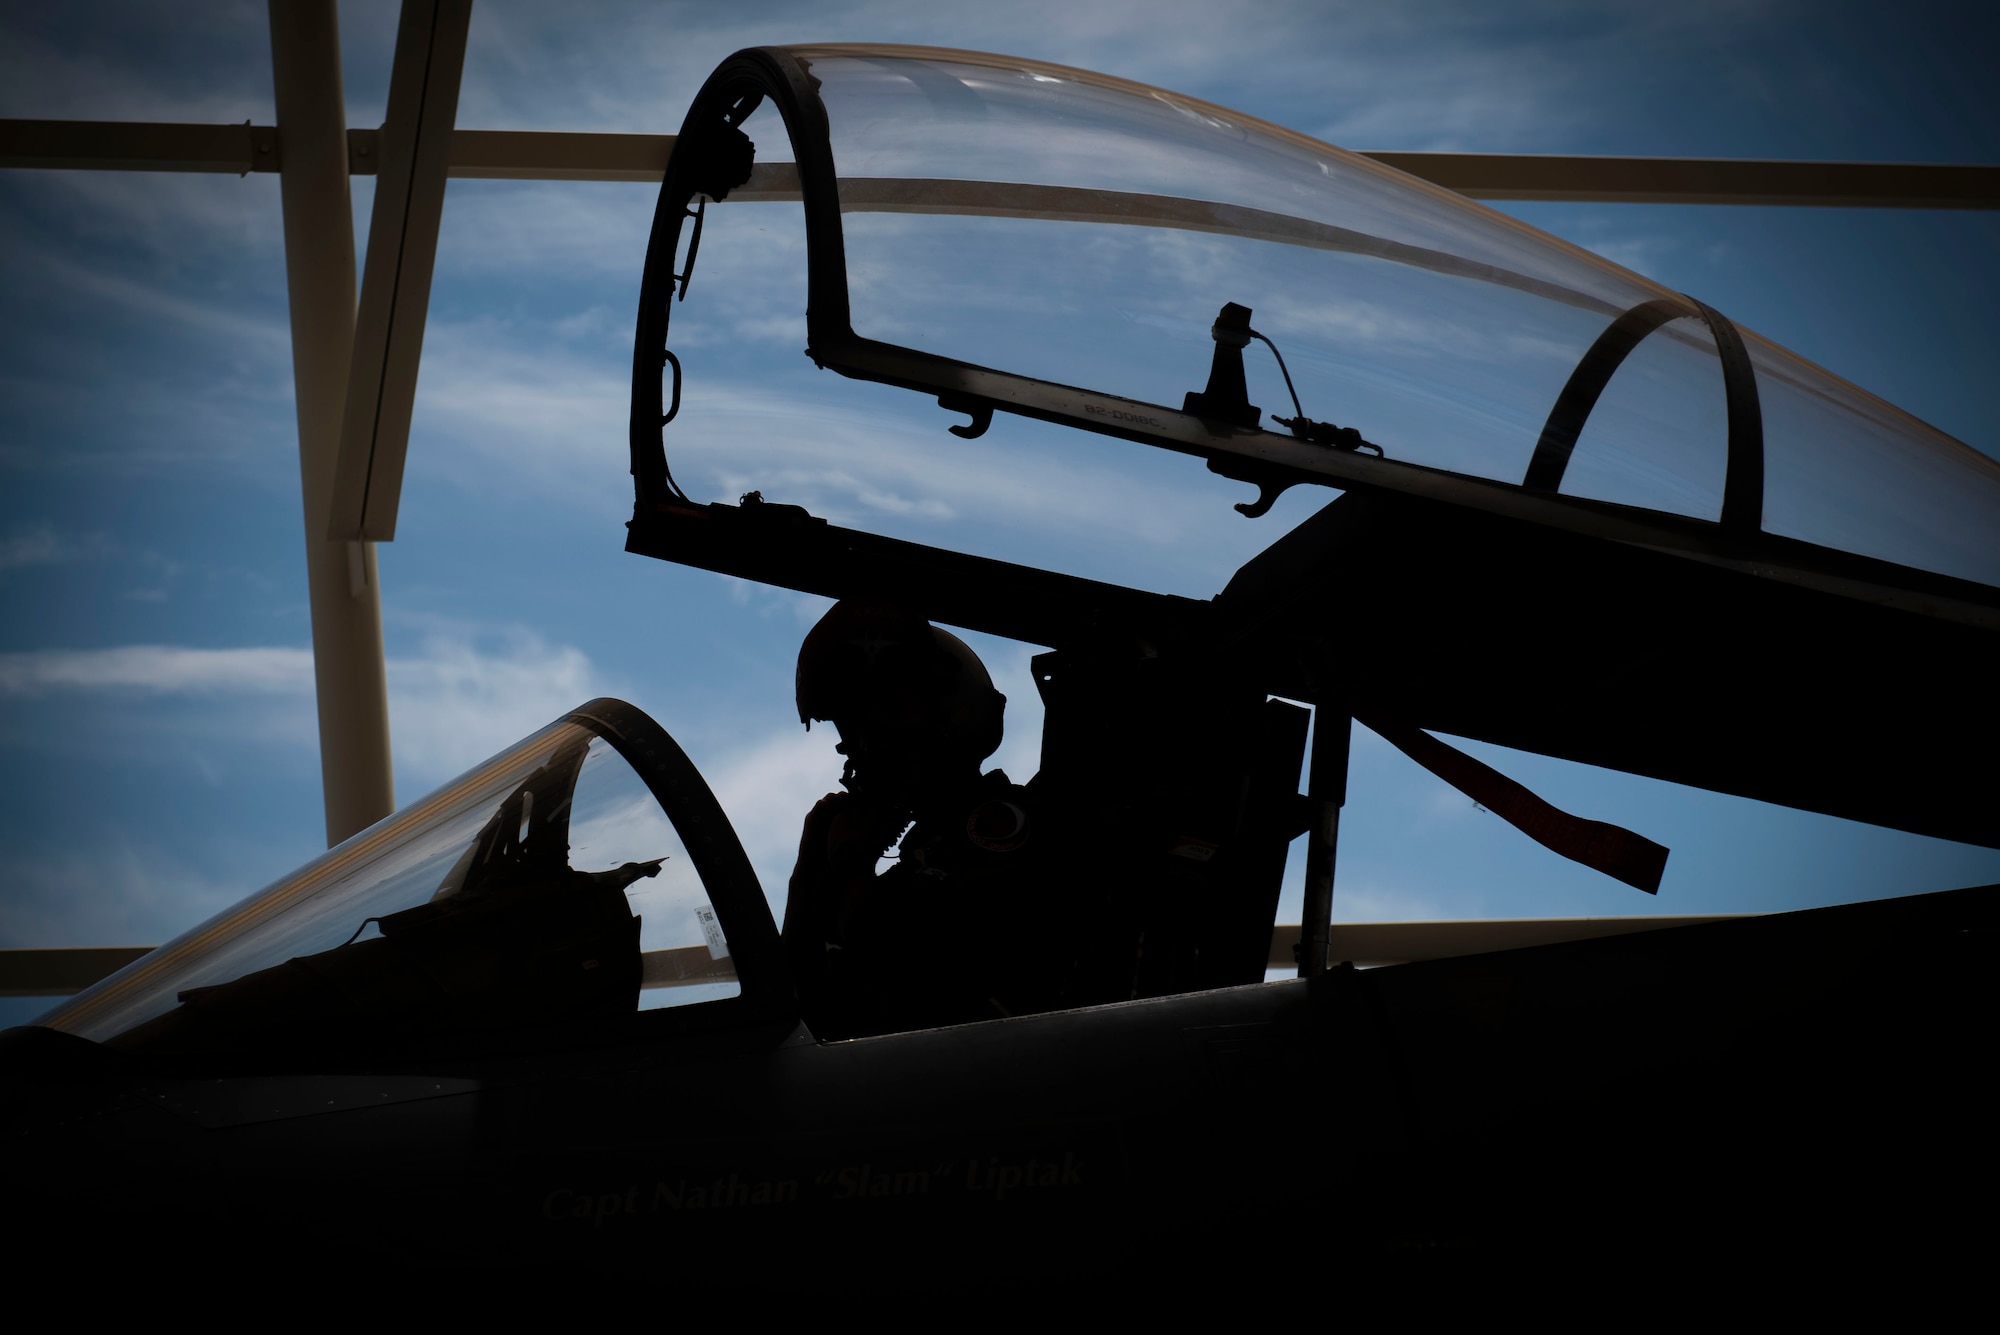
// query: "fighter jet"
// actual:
[[543, 1017]]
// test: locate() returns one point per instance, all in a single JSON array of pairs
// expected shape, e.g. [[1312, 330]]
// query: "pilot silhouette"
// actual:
[[959, 928]]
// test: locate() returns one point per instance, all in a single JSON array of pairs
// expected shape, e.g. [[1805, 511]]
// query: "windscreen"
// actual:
[[545, 886], [1073, 228]]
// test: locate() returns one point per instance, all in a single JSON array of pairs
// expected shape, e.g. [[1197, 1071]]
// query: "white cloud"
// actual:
[[266, 339], [553, 421], [159, 668], [596, 228], [766, 788], [552, 425], [166, 220], [112, 892], [859, 465], [840, 482], [457, 703], [1444, 75]]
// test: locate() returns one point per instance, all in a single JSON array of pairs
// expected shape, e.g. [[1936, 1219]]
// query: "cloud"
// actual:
[[547, 429], [456, 702], [551, 425], [1444, 74], [206, 62], [268, 340], [766, 787], [113, 892], [1611, 234], [166, 220], [187, 319], [157, 668], [512, 227], [41, 545], [35, 547], [464, 695]]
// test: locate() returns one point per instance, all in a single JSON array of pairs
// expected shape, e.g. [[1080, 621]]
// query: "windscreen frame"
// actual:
[[765, 1001]]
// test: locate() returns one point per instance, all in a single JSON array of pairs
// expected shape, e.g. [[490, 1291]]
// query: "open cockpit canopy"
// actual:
[[1578, 513], [1015, 236]]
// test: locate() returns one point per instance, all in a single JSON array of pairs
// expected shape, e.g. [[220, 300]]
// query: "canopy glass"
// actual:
[[545, 886], [1057, 243]]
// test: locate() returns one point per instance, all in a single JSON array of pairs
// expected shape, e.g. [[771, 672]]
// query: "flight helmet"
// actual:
[[890, 677]]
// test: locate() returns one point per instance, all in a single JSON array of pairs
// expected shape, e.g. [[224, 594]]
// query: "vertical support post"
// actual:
[[1326, 788], [348, 672], [410, 183]]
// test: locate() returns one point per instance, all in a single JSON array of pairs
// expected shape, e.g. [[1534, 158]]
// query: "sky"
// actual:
[[156, 715]]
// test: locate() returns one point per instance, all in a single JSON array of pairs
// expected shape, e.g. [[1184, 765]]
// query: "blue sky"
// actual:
[[155, 687]]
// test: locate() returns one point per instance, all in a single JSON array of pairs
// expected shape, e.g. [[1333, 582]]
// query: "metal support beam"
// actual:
[[533, 155], [319, 277], [1326, 787], [542, 155], [141, 146], [415, 153]]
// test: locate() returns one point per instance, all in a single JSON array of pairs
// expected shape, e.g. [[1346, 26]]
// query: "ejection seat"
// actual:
[[1178, 784]]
